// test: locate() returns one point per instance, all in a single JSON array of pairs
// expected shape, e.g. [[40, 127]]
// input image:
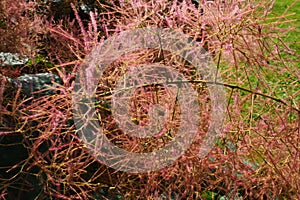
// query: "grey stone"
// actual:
[[12, 59]]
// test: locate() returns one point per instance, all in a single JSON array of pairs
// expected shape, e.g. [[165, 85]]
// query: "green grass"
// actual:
[[291, 7]]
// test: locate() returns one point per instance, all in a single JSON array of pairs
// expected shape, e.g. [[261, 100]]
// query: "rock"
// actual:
[[30, 83], [12, 59]]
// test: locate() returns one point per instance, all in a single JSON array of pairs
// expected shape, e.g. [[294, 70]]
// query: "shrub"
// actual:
[[256, 156]]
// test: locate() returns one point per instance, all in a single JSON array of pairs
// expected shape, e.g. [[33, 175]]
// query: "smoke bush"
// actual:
[[257, 155]]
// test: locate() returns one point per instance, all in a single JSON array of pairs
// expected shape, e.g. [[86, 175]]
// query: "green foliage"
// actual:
[[40, 61], [209, 195]]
